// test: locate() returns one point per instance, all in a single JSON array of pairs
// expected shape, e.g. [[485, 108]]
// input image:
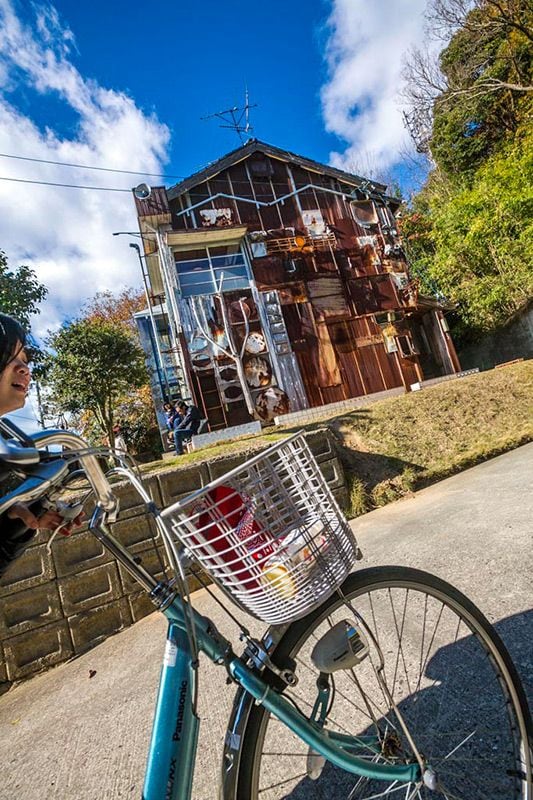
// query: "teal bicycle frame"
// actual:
[[171, 757]]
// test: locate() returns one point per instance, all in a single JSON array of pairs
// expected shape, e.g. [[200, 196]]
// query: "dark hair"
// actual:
[[181, 404], [11, 334]]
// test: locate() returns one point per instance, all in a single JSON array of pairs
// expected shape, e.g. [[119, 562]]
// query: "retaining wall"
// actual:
[[58, 603]]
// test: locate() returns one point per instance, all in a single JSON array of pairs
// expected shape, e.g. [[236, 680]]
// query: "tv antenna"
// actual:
[[236, 119]]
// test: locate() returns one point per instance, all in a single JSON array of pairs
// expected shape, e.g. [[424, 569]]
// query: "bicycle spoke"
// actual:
[[441, 676], [399, 639], [465, 740]]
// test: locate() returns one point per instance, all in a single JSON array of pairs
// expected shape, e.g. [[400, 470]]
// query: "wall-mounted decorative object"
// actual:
[[327, 297], [365, 213], [270, 403], [228, 374], [241, 309], [401, 279], [295, 293], [314, 222], [258, 372], [216, 217], [202, 362], [389, 338], [255, 343]]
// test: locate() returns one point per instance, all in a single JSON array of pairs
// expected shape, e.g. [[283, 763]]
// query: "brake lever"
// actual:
[[68, 512]]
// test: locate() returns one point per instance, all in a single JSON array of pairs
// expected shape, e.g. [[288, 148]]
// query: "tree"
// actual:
[[105, 306], [464, 99], [93, 364], [20, 291], [473, 239]]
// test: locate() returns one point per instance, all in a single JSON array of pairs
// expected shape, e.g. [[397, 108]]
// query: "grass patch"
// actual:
[[404, 443], [358, 500], [392, 447]]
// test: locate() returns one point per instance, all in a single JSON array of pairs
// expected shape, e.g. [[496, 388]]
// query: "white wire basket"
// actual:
[[269, 532]]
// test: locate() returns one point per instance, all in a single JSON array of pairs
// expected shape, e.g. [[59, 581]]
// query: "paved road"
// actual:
[[67, 736]]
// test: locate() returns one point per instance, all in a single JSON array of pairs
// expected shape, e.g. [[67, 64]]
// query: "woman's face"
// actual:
[[14, 382]]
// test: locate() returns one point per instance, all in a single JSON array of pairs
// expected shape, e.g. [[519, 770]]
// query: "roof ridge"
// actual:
[[248, 147]]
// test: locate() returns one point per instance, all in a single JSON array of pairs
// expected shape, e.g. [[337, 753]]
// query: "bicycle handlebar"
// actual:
[[41, 476]]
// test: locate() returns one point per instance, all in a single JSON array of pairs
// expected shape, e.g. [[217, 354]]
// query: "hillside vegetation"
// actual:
[[394, 446], [468, 231]]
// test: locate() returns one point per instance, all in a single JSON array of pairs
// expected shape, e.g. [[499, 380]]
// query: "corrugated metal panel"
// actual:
[[155, 207], [350, 373]]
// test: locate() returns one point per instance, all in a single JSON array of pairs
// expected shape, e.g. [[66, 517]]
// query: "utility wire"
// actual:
[[67, 185], [86, 166]]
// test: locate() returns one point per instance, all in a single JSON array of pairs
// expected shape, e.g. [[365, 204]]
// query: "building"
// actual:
[[278, 283]]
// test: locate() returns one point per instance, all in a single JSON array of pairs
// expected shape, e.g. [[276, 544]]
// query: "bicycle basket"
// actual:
[[269, 533]]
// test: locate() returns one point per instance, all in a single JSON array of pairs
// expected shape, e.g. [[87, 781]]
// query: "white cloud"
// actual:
[[65, 234], [360, 100]]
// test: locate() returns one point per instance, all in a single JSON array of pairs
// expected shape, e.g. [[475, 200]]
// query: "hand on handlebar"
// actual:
[[47, 520]]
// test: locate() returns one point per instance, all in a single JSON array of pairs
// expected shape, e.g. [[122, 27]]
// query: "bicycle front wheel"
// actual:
[[449, 694]]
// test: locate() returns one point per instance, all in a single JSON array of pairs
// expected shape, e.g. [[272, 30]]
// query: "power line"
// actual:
[[86, 166], [66, 185]]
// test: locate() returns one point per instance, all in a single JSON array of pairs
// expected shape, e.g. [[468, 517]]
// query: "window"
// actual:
[[211, 269]]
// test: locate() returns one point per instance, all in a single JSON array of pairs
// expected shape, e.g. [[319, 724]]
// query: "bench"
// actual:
[[214, 437], [189, 446]]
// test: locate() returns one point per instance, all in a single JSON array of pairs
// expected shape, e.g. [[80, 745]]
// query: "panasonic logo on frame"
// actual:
[[176, 736]]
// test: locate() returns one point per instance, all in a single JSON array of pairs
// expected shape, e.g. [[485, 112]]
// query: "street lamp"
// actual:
[[160, 365]]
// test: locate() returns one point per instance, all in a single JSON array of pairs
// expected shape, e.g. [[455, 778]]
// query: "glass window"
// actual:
[[192, 266], [202, 271]]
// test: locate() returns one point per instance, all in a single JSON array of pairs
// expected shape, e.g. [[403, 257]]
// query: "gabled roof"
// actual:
[[255, 146]]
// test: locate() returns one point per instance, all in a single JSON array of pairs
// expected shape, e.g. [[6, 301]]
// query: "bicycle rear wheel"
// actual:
[[449, 676]]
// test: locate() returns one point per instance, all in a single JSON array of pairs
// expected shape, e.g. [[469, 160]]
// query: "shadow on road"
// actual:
[[443, 715]]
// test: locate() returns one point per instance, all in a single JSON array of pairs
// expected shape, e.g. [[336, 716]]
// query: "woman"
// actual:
[[19, 525]]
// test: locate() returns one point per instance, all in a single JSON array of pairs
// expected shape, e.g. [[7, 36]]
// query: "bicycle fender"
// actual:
[[240, 712], [231, 756]]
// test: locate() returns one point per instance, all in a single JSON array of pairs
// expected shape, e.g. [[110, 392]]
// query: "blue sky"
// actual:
[[193, 59], [124, 85]]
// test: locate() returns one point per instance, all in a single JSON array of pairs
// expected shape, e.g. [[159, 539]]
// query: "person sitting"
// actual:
[[19, 525], [186, 425], [170, 415]]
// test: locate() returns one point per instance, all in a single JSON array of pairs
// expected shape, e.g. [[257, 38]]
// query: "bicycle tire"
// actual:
[[493, 763]]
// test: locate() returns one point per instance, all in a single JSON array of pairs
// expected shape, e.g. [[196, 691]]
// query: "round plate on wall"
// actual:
[[270, 403], [258, 372], [255, 343]]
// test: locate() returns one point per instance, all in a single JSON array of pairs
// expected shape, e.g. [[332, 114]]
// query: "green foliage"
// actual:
[[358, 501], [93, 364], [479, 249], [20, 291], [485, 64], [468, 233]]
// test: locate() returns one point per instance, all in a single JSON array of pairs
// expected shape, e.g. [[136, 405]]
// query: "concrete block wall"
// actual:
[[58, 602]]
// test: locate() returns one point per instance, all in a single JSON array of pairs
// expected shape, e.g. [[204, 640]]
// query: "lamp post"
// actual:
[[160, 365]]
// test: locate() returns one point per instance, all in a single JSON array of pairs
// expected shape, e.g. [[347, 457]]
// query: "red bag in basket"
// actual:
[[236, 513]]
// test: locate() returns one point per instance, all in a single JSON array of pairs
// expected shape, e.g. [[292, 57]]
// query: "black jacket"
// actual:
[[14, 533], [191, 420]]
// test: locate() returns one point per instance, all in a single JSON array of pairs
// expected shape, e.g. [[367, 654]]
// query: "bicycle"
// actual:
[[380, 682]]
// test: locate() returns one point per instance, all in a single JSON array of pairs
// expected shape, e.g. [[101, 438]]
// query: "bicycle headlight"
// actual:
[[342, 647]]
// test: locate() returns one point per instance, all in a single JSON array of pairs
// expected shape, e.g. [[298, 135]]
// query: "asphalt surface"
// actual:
[[66, 735]]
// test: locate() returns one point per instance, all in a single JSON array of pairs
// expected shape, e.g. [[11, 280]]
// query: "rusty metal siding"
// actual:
[[221, 185], [242, 187], [331, 286], [155, 205], [289, 210], [351, 373]]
